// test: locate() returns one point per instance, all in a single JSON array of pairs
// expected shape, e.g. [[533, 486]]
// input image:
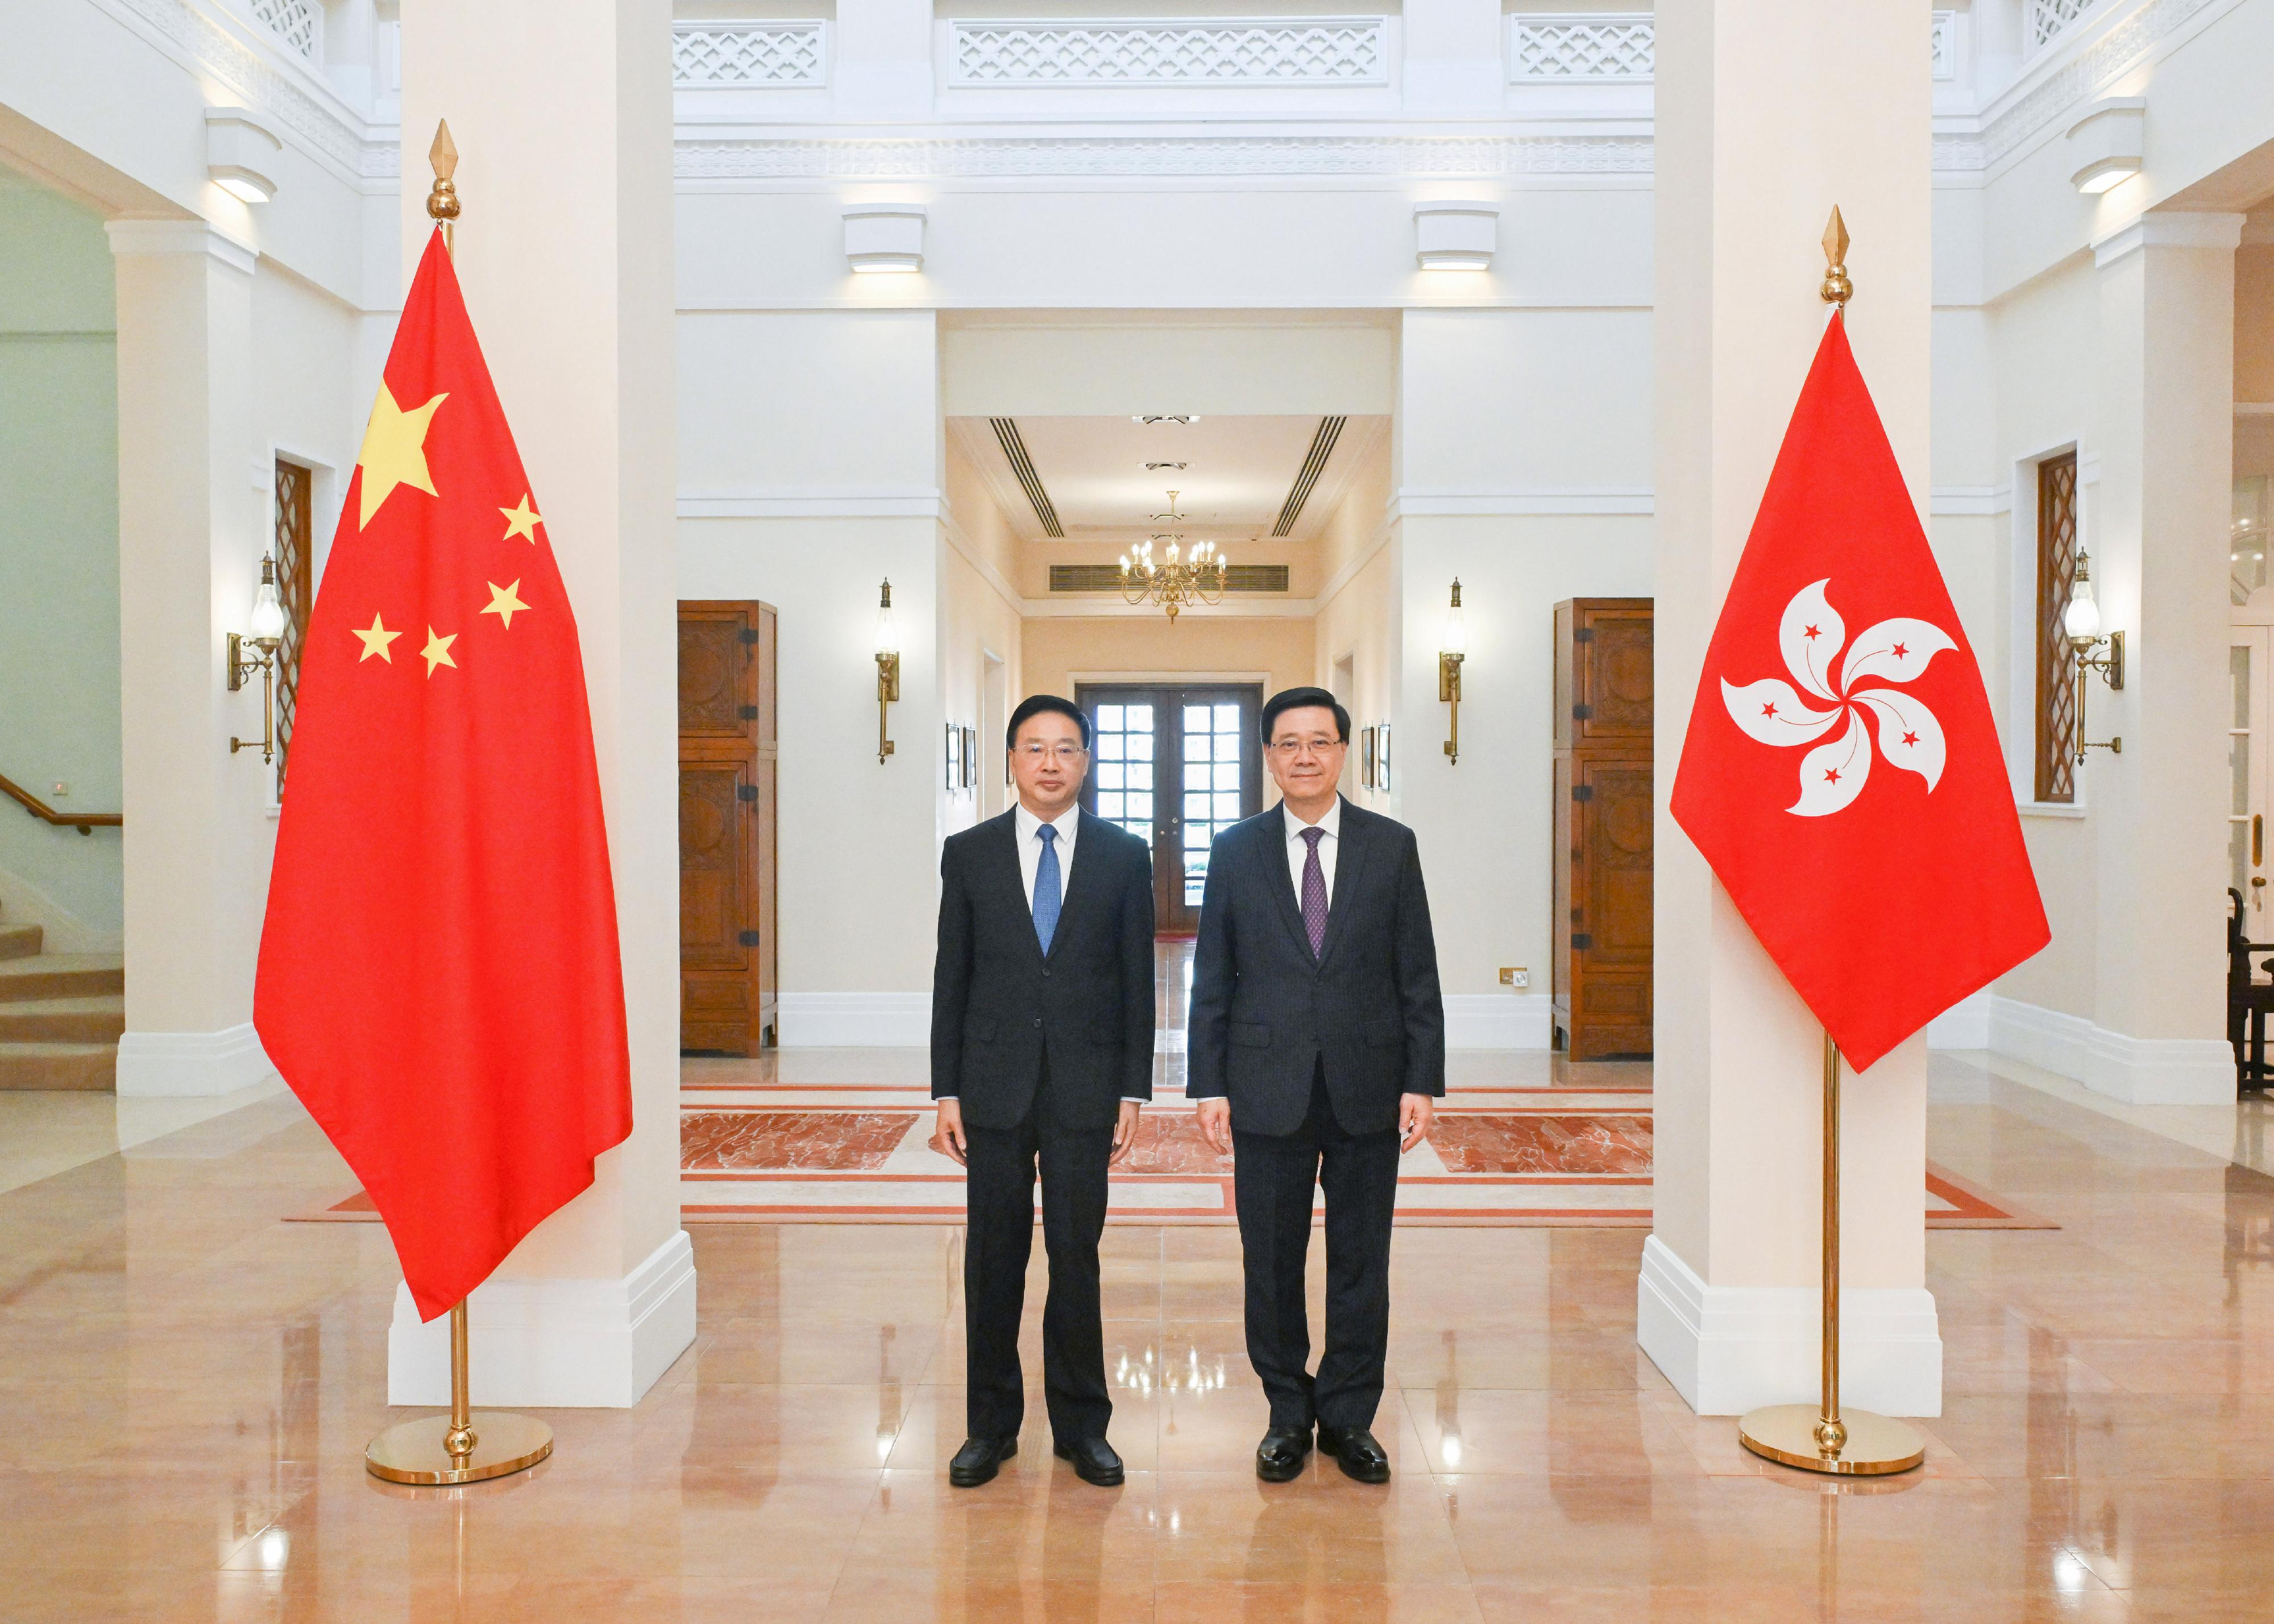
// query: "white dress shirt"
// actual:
[[1299, 850], [1068, 824]]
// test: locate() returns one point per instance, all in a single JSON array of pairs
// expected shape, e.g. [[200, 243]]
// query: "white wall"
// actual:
[[58, 565]]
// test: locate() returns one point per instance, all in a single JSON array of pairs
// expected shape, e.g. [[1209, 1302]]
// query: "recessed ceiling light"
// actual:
[[1171, 416], [1154, 467]]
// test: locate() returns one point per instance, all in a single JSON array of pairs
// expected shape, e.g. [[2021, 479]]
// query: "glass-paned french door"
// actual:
[[2246, 772], [1174, 766]]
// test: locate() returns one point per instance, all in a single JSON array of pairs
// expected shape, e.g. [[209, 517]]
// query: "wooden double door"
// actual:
[[729, 801], [1174, 766]]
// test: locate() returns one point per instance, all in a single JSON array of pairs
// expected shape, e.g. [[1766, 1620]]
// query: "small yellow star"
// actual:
[[521, 522], [394, 451], [437, 652], [505, 601], [375, 640]]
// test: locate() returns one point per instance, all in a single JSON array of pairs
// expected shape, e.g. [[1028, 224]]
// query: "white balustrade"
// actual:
[[1276, 50], [710, 55]]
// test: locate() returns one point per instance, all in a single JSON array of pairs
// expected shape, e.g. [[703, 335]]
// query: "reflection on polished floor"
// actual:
[[190, 1382]]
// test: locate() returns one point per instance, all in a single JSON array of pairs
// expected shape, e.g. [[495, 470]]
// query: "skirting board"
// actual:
[[1497, 1020], [1964, 1024], [856, 1019], [552, 1343], [2137, 1071], [178, 1064], [1730, 1348]]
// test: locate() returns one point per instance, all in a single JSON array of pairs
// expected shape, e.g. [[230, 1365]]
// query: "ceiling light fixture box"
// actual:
[[2107, 146], [1456, 236], [884, 237], [241, 154]]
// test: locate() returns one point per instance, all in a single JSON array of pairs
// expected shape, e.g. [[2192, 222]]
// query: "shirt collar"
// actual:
[[1332, 822], [1065, 822]]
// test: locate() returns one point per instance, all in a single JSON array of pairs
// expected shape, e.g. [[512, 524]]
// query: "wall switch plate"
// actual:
[[59, 789], [1515, 978]]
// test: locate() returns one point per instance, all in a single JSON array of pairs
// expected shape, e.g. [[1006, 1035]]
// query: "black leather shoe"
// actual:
[[1355, 1448], [975, 1463], [1280, 1457], [1094, 1462]]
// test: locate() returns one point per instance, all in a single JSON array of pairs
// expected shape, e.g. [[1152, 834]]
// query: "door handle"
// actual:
[[2257, 891]]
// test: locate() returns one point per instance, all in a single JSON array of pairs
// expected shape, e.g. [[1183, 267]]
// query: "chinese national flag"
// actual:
[[1842, 772], [439, 974]]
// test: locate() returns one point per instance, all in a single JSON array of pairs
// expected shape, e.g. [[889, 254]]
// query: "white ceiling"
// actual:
[[1237, 471]]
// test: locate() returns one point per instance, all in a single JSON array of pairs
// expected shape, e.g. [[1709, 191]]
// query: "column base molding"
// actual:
[[552, 1343], [159, 1065], [1730, 1348], [2137, 1071]]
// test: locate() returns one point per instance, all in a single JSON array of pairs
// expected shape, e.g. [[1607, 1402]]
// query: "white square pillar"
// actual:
[[1769, 112], [561, 110]]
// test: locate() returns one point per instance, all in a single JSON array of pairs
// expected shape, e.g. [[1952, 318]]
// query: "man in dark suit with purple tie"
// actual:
[[1317, 1050]]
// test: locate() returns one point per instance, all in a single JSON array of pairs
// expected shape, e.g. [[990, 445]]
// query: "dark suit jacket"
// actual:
[[1264, 1012], [999, 1007]]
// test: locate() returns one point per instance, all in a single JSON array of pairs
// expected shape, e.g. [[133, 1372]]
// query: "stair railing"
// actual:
[[84, 821]]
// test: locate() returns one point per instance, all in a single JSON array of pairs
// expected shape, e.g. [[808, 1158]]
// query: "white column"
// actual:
[[1768, 113], [561, 112], [192, 523], [2157, 533]]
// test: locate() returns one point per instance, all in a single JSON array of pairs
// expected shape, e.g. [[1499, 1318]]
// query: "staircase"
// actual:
[[61, 1014]]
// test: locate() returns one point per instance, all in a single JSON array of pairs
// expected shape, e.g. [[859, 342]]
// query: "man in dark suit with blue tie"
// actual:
[[1317, 1049], [1041, 1050]]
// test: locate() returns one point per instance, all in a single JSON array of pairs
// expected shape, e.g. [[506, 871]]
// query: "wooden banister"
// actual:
[[84, 821]]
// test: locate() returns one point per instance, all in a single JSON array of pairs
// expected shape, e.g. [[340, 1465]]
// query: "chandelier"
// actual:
[[1181, 577]]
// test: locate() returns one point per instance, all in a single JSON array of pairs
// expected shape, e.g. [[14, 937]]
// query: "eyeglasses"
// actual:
[[1055, 752], [1287, 749]]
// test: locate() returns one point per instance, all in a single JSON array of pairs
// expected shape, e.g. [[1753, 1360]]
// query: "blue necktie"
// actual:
[[1046, 888]]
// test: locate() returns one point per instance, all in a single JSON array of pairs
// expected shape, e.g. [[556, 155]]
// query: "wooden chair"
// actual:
[[2248, 1001]]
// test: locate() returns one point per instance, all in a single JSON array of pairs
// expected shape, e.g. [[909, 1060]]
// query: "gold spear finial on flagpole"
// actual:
[[1837, 289], [442, 197]]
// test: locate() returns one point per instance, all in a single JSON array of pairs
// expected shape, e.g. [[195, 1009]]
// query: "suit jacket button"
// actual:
[[1046, 975], [1038, 1021]]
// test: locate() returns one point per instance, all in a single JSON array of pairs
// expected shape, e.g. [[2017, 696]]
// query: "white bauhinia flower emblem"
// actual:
[[1812, 636]]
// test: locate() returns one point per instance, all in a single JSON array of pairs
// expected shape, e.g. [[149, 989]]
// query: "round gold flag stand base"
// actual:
[[415, 1451], [1875, 1445]]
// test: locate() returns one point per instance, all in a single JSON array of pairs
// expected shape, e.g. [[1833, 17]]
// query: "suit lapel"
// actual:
[[1002, 856], [1354, 842], [1272, 837], [1080, 879]]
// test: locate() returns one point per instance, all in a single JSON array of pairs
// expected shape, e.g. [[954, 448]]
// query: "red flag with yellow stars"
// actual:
[[440, 981]]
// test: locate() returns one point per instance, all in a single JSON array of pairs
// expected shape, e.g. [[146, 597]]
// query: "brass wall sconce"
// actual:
[[1452, 648], [264, 638], [888, 670], [2081, 620]]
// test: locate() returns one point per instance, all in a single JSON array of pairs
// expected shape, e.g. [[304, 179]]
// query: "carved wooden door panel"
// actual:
[[1600, 972], [727, 956]]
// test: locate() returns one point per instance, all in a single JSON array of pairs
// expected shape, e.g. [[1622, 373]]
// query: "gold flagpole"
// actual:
[[449, 1449], [1817, 1437]]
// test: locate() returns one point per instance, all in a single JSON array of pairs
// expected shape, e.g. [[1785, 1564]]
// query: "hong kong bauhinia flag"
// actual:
[[439, 974], [1842, 772]]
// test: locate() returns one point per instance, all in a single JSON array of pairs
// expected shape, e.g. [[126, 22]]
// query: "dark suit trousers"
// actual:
[[1000, 1187], [1273, 1176]]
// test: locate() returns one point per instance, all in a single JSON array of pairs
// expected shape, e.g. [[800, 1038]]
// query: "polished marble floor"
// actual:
[[188, 1383]]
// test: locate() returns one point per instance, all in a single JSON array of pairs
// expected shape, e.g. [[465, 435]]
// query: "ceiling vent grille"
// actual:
[[1015, 451], [1322, 446], [1107, 578]]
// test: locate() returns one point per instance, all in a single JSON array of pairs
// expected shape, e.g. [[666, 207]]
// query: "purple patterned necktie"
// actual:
[[1315, 893]]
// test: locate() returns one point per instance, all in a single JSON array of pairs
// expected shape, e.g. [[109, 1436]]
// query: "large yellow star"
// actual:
[[521, 522], [375, 640], [394, 451], [437, 652], [505, 601]]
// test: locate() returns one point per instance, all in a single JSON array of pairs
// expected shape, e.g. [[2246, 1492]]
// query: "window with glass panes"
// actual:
[[1216, 742], [1124, 767]]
